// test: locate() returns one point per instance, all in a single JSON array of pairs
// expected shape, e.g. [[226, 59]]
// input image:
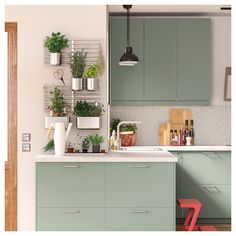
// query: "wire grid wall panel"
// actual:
[[71, 97], [91, 47]]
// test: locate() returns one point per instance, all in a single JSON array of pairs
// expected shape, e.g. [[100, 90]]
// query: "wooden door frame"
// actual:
[[11, 164]]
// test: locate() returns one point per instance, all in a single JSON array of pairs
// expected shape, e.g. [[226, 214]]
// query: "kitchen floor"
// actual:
[[220, 227]]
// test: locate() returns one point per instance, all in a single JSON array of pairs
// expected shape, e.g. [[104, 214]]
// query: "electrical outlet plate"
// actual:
[[26, 147], [26, 137]]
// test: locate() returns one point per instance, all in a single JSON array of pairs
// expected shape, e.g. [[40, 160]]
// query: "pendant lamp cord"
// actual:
[[128, 42]]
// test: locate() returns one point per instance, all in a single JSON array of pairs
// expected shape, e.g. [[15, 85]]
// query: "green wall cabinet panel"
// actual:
[[140, 184], [193, 59], [127, 81], [70, 219], [215, 199], [160, 59], [70, 184], [175, 61], [146, 219]]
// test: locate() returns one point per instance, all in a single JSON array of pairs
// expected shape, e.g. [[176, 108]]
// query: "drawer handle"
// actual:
[[72, 211], [141, 166], [74, 166], [141, 211], [210, 189], [216, 155]]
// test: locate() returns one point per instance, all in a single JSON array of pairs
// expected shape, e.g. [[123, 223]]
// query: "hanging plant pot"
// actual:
[[77, 84], [55, 59], [91, 84], [88, 122]]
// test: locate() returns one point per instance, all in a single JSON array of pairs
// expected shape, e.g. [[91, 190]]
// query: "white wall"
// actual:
[[34, 23]]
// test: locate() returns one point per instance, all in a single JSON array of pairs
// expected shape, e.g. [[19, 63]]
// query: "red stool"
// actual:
[[194, 207]]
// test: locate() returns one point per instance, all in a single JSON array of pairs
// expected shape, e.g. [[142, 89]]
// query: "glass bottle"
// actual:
[[186, 131], [191, 133]]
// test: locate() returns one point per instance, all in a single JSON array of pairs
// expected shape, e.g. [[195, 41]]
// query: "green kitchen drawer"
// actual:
[[206, 168], [70, 184], [70, 219], [140, 184], [215, 199], [138, 219]]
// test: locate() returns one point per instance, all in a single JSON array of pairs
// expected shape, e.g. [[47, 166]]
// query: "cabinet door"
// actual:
[[70, 219], [215, 199], [193, 59], [140, 184], [160, 59], [126, 81], [70, 184], [206, 168], [136, 219]]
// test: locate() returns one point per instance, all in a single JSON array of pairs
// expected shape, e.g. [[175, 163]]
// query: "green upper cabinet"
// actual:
[[175, 61], [193, 59], [160, 59], [127, 81]]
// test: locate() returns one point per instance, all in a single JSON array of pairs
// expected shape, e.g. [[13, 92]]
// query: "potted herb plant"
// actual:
[[56, 108], [95, 140], [55, 43], [88, 115], [85, 144], [126, 131], [91, 77], [77, 66]]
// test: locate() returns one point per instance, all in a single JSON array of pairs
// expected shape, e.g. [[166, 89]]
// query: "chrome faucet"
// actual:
[[118, 128]]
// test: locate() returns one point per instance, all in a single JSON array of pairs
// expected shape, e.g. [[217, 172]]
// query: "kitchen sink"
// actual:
[[140, 149]]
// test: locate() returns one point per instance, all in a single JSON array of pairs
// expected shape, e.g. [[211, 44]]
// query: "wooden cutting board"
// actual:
[[178, 117], [164, 134]]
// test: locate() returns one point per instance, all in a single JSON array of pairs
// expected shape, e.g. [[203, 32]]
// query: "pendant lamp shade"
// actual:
[[128, 58]]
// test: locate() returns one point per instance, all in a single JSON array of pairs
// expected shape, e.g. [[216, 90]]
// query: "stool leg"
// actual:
[[188, 218], [194, 219]]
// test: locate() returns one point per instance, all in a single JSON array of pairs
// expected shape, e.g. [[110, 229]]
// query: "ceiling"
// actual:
[[170, 9]]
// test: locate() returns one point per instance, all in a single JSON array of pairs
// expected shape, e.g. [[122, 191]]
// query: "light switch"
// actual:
[[26, 147], [26, 137]]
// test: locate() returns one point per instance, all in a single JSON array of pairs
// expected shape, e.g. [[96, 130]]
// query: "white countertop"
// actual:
[[141, 156], [196, 148]]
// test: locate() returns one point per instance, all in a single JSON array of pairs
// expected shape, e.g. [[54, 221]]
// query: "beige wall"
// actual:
[[34, 23]]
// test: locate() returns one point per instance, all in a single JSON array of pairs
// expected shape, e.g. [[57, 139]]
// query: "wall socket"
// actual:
[[26, 147], [26, 137]]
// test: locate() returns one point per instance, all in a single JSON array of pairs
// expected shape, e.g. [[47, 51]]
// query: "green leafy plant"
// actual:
[[125, 127], [77, 63], [57, 102], [85, 143], [95, 139], [92, 71], [56, 42], [49, 146], [85, 109]]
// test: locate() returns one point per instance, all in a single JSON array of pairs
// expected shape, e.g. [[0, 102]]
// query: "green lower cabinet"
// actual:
[[145, 219], [215, 199], [70, 219], [140, 184]]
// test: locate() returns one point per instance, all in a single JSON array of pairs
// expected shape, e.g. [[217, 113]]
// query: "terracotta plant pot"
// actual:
[[70, 150], [134, 138], [126, 138]]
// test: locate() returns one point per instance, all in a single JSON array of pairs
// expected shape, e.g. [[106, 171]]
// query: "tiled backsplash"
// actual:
[[212, 124]]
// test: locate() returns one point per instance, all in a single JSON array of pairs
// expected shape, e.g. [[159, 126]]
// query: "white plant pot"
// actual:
[[88, 122], [52, 120], [55, 59], [77, 84], [59, 139], [91, 84]]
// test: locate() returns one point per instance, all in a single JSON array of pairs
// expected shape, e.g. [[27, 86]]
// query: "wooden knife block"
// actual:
[[176, 121]]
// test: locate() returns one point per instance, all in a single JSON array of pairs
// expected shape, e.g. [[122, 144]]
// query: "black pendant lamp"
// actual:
[[128, 58]]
